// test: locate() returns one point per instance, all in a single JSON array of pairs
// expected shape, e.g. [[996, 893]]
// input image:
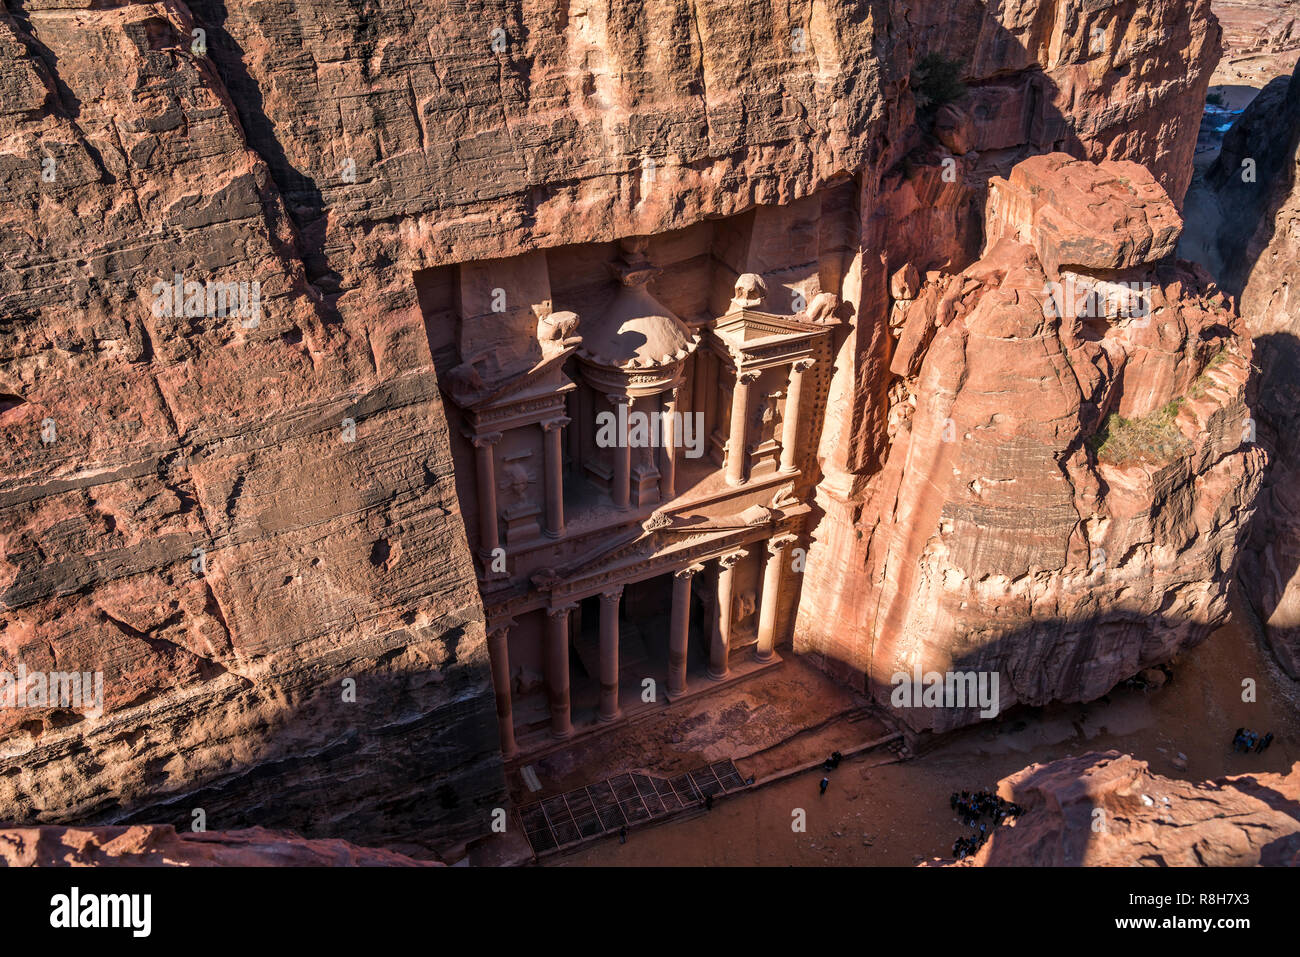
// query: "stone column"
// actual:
[[700, 382], [557, 670], [739, 428], [709, 374], [554, 476], [575, 435], [621, 491], [485, 471], [680, 633], [721, 643], [609, 709], [790, 427], [668, 451], [499, 654], [776, 551]]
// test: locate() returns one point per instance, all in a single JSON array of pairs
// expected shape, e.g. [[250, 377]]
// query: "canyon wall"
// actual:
[[1254, 196], [1071, 467], [246, 519]]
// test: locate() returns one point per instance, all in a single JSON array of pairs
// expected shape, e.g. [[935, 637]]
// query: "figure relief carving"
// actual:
[[765, 416], [515, 479]]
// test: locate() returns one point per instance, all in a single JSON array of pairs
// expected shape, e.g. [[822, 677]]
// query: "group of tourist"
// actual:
[[830, 764], [1246, 741], [971, 808]]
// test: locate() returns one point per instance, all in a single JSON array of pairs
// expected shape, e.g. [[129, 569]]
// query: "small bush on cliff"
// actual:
[[936, 80], [1153, 438]]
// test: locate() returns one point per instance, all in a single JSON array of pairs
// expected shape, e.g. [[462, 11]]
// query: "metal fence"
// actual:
[[624, 800]]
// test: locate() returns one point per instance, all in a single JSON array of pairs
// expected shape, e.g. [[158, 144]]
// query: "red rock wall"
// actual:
[[1257, 219], [330, 151], [999, 537]]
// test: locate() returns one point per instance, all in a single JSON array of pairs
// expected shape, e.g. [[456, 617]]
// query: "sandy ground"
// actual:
[[758, 720], [878, 812]]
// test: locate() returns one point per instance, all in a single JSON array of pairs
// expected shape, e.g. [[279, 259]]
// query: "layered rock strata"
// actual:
[[1071, 452], [1255, 198], [244, 516]]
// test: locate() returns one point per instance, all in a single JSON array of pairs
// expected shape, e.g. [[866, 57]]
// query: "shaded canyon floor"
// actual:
[[880, 811]]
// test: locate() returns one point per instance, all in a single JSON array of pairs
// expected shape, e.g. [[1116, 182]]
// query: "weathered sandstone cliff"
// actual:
[[1070, 454], [1254, 190], [162, 846], [1108, 810], [248, 522]]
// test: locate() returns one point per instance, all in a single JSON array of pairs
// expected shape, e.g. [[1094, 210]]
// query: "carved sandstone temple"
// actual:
[[635, 482]]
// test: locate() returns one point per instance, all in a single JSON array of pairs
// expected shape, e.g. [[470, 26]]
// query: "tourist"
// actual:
[[1264, 743], [708, 802], [622, 834], [826, 782]]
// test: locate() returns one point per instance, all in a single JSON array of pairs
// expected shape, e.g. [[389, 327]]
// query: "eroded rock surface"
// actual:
[[1145, 820], [1256, 191], [1070, 454], [234, 519], [161, 846]]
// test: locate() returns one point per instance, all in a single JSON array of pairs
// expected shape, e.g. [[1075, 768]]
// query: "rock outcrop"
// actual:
[[1108, 810], [244, 516], [1254, 192], [1071, 453], [161, 846]]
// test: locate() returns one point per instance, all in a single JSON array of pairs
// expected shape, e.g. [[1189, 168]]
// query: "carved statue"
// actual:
[[745, 605], [750, 292], [464, 380], [557, 330], [515, 481], [822, 308]]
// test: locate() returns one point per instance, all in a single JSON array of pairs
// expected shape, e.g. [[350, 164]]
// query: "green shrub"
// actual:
[[1153, 438], [936, 80]]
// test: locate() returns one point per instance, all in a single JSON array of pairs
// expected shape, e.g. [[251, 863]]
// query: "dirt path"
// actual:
[[897, 813]]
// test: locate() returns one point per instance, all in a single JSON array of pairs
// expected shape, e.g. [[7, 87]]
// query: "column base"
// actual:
[[735, 482], [719, 675], [609, 718], [561, 735], [764, 656], [550, 534], [788, 471]]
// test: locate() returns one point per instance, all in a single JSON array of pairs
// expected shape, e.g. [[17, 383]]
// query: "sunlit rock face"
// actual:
[[1107, 809], [1256, 190], [1071, 466], [244, 516]]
